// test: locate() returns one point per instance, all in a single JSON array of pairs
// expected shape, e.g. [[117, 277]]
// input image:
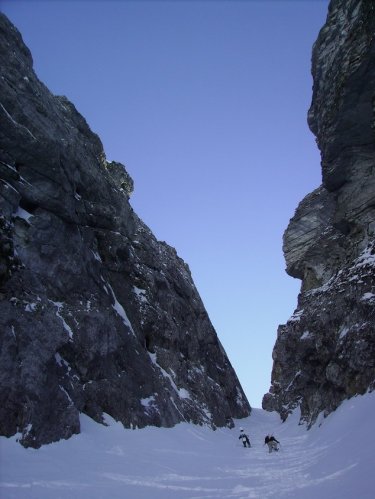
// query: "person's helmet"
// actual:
[[241, 429]]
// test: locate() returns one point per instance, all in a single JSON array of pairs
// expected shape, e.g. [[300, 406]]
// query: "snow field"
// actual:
[[335, 459]]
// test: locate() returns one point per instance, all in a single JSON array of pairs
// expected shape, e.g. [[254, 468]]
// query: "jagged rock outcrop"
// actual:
[[326, 351], [96, 315]]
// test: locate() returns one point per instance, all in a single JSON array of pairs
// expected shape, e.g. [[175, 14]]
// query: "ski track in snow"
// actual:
[[330, 461]]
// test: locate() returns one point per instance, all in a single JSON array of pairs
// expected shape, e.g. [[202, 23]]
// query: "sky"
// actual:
[[333, 460], [205, 103]]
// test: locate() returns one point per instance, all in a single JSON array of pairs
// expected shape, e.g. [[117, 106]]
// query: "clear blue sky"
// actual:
[[205, 103]]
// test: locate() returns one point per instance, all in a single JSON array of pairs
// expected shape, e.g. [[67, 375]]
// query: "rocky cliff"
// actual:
[[326, 351], [96, 315]]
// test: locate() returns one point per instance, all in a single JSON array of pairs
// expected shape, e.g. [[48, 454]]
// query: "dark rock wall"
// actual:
[[96, 315], [326, 351]]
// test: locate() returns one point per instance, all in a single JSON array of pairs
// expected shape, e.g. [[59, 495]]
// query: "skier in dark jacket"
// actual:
[[272, 443], [245, 439]]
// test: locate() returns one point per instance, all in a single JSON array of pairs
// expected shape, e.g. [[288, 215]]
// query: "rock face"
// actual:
[[96, 315], [326, 351]]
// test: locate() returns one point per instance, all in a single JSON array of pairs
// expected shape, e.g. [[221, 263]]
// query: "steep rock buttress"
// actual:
[[96, 315], [326, 351]]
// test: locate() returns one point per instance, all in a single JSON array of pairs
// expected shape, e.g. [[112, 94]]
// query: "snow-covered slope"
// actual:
[[335, 459]]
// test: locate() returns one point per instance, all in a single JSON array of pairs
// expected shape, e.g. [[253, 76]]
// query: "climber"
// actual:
[[273, 444], [244, 438]]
